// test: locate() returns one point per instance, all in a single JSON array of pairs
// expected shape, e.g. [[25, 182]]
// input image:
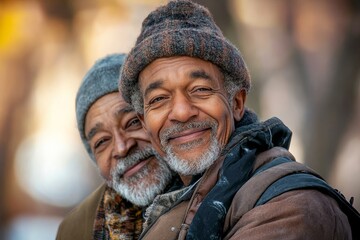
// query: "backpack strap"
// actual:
[[307, 180], [281, 175], [262, 178]]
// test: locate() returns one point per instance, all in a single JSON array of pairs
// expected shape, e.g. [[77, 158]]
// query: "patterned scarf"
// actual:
[[117, 218]]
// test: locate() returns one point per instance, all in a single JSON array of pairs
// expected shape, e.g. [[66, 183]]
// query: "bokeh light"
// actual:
[[51, 170]]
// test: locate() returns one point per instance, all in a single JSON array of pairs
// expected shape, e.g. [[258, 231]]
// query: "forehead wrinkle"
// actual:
[[94, 130], [124, 110]]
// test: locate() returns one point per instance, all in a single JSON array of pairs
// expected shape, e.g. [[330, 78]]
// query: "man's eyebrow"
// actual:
[[153, 86], [93, 131], [124, 110], [200, 74]]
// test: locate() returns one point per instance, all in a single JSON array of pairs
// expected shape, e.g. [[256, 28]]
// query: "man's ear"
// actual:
[[239, 104]]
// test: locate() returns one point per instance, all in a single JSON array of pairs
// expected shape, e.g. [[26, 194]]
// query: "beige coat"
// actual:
[[78, 224]]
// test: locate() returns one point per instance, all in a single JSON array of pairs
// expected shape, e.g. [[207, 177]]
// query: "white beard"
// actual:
[[191, 166], [143, 186]]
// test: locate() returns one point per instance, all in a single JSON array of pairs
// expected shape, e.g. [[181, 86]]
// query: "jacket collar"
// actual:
[[262, 136]]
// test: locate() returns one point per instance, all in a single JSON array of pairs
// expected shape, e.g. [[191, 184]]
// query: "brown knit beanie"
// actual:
[[180, 28]]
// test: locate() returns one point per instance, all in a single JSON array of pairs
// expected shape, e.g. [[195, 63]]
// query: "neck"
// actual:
[[186, 179]]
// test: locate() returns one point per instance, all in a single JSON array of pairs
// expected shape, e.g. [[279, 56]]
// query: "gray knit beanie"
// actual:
[[100, 80], [181, 28]]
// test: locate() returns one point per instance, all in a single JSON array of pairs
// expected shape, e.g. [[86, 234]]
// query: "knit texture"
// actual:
[[181, 28], [101, 79], [117, 218]]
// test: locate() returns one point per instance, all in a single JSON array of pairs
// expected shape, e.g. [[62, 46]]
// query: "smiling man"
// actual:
[[189, 86], [115, 140], [179, 95]]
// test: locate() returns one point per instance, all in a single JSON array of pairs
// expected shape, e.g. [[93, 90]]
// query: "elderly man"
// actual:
[[189, 87], [114, 138]]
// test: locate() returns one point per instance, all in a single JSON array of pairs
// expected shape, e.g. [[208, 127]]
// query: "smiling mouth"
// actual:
[[188, 135], [136, 167]]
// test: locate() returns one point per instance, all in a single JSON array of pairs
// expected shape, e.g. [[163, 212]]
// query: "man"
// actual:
[[189, 87], [114, 138]]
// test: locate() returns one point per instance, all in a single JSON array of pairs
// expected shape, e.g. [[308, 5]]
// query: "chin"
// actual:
[[145, 185], [195, 163]]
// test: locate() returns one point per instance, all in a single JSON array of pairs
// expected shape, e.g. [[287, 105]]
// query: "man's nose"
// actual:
[[122, 145], [182, 109]]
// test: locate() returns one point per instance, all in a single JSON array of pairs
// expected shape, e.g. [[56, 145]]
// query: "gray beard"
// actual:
[[200, 163], [142, 187]]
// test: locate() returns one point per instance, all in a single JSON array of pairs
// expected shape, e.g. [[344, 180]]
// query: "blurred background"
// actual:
[[304, 57]]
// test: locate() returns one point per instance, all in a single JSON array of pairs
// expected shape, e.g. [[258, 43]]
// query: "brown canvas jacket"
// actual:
[[298, 214], [78, 224]]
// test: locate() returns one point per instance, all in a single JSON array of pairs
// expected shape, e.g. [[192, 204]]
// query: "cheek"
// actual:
[[154, 123], [104, 167], [224, 117]]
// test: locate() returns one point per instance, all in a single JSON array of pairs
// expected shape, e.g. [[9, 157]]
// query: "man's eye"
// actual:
[[100, 142], [156, 99], [133, 122], [202, 89]]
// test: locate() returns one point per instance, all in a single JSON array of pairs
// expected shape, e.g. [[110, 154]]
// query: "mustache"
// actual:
[[179, 127], [130, 160]]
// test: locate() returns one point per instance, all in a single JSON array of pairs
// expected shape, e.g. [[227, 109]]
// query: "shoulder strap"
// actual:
[[262, 178], [308, 180], [283, 174]]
